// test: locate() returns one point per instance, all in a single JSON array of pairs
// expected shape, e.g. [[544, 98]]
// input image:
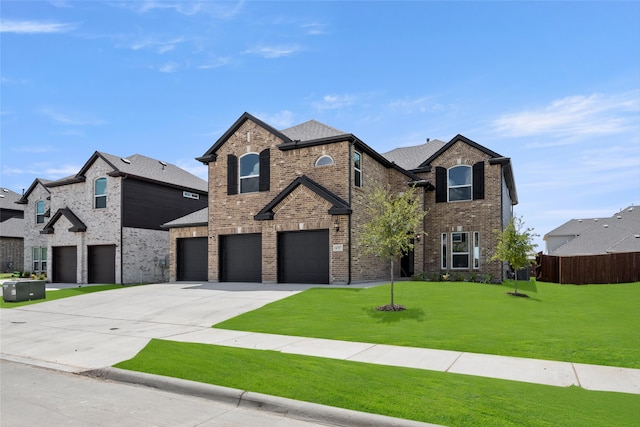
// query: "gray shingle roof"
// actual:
[[8, 200], [614, 234], [411, 157], [12, 227], [156, 170], [200, 217], [311, 130]]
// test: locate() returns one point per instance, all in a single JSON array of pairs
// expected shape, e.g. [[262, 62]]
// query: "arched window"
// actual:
[[100, 193], [40, 212], [459, 183], [324, 160], [249, 173]]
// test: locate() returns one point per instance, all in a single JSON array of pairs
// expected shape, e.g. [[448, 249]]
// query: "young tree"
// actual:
[[395, 219], [514, 246]]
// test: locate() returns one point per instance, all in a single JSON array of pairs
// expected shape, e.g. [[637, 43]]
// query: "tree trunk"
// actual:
[[515, 282], [392, 282]]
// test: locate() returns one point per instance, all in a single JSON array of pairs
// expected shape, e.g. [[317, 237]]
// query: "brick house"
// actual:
[[473, 197], [11, 232], [288, 205], [104, 224]]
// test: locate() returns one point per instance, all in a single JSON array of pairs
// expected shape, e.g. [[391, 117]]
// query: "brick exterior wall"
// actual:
[[484, 216], [32, 236], [144, 255], [302, 209], [103, 225], [11, 254], [181, 233]]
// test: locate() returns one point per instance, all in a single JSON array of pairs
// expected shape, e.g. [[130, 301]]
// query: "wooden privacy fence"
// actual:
[[580, 270]]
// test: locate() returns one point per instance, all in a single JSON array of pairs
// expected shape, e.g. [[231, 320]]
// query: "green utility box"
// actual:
[[24, 290]]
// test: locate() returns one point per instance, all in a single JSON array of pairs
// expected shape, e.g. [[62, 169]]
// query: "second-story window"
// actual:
[[357, 168], [459, 183], [40, 212], [249, 173], [100, 193]]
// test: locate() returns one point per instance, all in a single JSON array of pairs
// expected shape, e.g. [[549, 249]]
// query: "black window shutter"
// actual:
[[232, 174], [265, 176], [478, 181], [441, 184]]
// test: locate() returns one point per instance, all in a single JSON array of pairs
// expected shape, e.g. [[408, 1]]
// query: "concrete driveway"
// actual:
[[100, 329]]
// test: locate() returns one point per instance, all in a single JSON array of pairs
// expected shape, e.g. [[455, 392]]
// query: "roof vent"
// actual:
[[2, 195], [631, 209], [162, 163], [5, 190], [595, 219], [605, 225], [579, 220], [637, 236], [127, 161], [619, 217]]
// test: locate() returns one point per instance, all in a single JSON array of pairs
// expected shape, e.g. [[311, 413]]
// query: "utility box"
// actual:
[[26, 290]]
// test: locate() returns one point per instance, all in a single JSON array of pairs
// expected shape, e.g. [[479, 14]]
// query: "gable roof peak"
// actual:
[[310, 130]]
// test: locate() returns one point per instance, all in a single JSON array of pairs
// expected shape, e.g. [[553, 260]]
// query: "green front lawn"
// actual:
[[595, 324], [427, 396], [62, 293]]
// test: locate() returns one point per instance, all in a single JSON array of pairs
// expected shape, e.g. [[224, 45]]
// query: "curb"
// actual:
[[304, 411]]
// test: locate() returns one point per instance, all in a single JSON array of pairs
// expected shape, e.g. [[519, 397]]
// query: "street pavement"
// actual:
[[34, 396], [95, 331]]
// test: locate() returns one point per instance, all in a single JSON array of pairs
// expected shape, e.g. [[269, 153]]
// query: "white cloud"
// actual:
[[184, 8], [194, 167], [271, 52], [34, 27], [72, 119], [158, 45], [281, 120], [215, 63], [333, 102], [314, 29], [169, 67], [574, 115]]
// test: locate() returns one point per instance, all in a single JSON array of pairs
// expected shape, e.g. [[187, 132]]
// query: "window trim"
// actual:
[[476, 250], [324, 156], [100, 196], [443, 251], [454, 253], [40, 214], [357, 171], [241, 178], [469, 185], [39, 260]]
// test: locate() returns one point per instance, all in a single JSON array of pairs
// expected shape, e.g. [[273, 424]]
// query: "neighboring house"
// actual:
[[596, 236], [289, 205], [36, 215], [188, 246], [104, 224], [11, 232]]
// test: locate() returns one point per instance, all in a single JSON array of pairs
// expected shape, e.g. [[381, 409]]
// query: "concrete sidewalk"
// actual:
[[97, 330]]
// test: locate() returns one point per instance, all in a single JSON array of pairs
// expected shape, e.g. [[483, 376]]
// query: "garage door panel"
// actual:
[[241, 258], [64, 264], [192, 255], [303, 257], [102, 264]]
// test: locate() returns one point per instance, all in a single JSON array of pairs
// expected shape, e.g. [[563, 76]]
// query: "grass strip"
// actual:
[[62, 293], [595, 324], [427, 396]]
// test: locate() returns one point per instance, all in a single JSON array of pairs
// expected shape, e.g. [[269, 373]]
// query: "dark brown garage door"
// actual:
[[241, 258], [303, 257], [102, 264], [64, 264], [192, 259]]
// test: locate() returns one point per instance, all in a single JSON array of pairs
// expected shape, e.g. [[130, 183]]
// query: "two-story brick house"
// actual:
[[289, 205], [104, 224], [473, 198]]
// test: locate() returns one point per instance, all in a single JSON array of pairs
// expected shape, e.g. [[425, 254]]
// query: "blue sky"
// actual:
[[553, 85]]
